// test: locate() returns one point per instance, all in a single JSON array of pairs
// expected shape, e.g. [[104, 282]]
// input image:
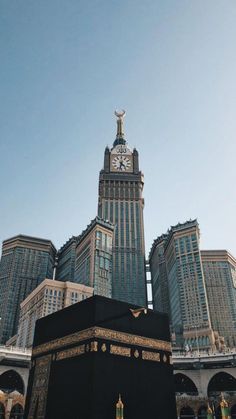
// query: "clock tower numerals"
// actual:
[[121, 163]]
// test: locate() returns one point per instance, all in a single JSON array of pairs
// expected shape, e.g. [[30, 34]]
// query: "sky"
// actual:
[[66, 65]]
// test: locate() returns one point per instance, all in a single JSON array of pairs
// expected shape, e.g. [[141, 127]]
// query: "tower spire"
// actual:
[[120, 136]]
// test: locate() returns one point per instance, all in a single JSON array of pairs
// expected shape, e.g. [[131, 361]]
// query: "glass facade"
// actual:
[[178, 283], [25, 262], [82, 270], [160, 292], [103, 264], [93, 257], [66, 261], [219, 272], [192, 293]]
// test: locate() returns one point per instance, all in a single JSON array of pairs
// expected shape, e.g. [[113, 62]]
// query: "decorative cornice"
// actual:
[[165, 238]]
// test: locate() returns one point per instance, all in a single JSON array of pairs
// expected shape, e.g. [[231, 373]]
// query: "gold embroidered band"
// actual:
[[99, 332], [151, 356], [69, 353], [120, 350]]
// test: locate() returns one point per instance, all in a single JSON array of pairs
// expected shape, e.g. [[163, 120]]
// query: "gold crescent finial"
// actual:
[[120, 114], [120, 120]]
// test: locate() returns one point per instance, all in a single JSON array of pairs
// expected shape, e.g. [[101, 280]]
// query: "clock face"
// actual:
[[121, 163]]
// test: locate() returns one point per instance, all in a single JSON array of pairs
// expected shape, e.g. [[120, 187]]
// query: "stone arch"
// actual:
[[22, 371], [233, 411], [190, 375], [214, 371], [187, 413], [184, 385], [17, 411], [221, 382], [10, 381]]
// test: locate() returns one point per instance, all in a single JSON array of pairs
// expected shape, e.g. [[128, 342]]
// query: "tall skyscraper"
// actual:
[[25, 262], [159, 280], [93, 257], [219, 268], [121, 202], [177, 275], [87, 258]]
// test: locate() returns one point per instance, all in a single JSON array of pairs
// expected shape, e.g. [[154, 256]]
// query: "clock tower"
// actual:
[[121, 202]]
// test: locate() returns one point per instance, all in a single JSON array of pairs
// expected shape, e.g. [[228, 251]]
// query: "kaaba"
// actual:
[[98, 352]]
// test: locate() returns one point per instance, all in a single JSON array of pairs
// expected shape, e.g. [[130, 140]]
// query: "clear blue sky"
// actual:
[[67, 64]]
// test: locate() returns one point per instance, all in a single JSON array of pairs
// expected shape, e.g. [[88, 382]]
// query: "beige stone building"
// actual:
[[26, 261], [48, 297]]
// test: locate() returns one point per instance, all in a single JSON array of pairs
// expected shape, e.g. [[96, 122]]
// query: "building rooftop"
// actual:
[[219, 254], [157, 241], [167, 236], [72, 239], [20, 238], [55, 283], [77, 239], [96, 221]]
